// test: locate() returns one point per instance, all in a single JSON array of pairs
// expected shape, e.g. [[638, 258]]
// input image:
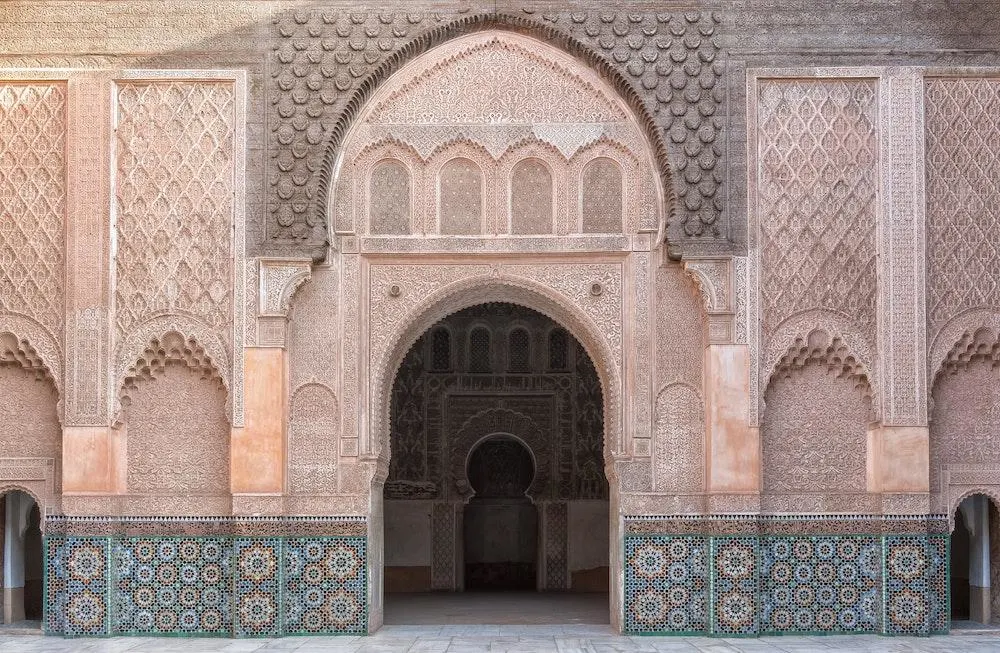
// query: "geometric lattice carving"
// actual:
[[172, 347], [962, 127], [531, 198], [33, 201], [817, 192], [13, 350], [175, 202], [389, 199]]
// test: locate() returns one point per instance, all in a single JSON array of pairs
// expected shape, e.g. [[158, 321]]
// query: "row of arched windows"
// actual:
[[481, 358], [460, 198]]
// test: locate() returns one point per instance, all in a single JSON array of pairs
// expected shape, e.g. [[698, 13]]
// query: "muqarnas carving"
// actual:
[[174, 407]]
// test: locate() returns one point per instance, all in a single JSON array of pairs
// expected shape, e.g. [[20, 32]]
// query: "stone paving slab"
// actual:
[[506, 639]]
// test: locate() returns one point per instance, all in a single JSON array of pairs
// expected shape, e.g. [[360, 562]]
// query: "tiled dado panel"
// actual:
[[236, 584], [762, 578]]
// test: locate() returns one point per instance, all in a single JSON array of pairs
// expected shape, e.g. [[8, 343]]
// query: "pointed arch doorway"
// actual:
[[496, 505]]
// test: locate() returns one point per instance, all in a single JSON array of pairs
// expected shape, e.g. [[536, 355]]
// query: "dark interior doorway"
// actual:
[[500, 522]]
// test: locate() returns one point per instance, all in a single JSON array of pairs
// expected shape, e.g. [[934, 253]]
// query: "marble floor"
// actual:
[[510, 639], [500, 608]]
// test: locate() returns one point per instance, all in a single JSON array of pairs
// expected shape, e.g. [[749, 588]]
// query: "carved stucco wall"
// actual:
[[29, 427], [679, 414], [454, 152], [963, 191], [965, 423], [664, 64], [178, 230], [33, 128], [178, 444]]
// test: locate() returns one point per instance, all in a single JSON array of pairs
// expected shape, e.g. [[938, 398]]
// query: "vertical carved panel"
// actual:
[[461, 197], [389, 199], [962, 123], [902, 288], [531, 198], [312, 441], [33, 202], [601, 190], [817, 189], [814, 434], [965, 429], [175, 158], [178, 436], [443, 547], [556, 542], [679, 447], [87, 252]]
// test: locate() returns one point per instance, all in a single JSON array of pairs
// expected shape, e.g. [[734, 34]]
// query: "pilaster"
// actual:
[[898, 447]]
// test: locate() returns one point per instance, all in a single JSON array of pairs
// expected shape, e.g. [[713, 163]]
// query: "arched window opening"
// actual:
[[441, 350], [519, 351], [602, 197], [558, 350], [461, 197], [479, 351], [531, 198], [389, 203]]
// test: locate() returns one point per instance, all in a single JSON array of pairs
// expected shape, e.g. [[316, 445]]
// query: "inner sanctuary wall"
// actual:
[[772, 230]]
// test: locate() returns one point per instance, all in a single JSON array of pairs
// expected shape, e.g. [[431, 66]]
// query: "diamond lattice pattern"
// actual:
[[175, 204], [963, 197], [818, 179], [32, 200]]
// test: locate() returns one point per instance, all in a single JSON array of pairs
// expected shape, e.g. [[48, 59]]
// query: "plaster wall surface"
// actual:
[[770, 225]]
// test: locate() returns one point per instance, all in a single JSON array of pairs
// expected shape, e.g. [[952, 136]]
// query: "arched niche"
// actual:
[[497, 122]]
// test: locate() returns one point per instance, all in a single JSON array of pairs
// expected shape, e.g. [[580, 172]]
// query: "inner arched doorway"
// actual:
[[496, 474], [22, 556], [975, 561]]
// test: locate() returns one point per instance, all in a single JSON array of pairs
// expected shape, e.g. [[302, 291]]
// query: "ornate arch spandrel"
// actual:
[[642, 140], [549, 35]]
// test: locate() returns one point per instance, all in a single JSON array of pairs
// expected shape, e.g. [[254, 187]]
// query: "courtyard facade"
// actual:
[[692, 309]]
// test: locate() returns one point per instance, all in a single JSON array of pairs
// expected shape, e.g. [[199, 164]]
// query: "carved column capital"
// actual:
[[280, 278]]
